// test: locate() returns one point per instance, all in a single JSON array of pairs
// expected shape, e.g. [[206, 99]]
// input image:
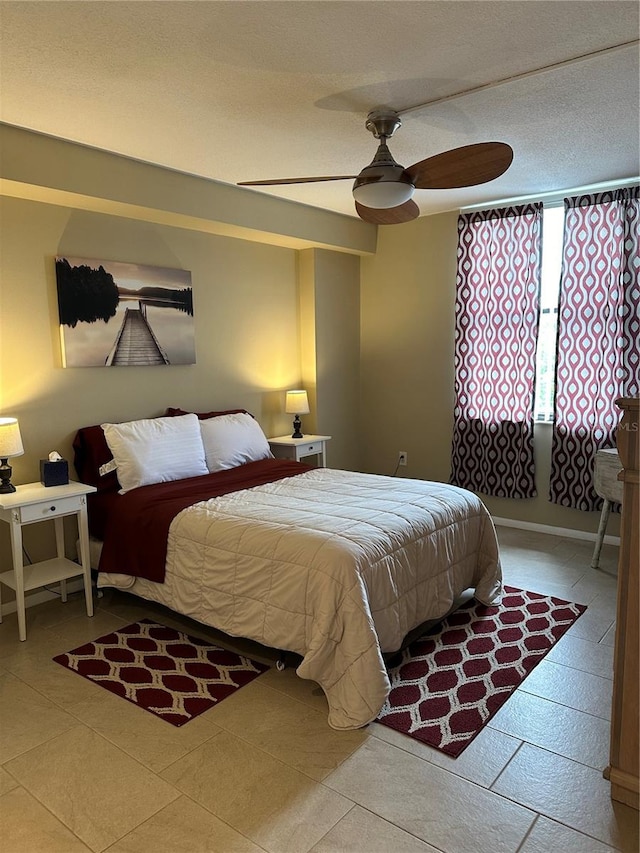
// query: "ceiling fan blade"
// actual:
[[277, 181], [389, 215], [462, 167]]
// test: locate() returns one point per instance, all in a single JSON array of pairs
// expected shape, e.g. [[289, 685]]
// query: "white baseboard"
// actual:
[[566, 532], [31, 599]]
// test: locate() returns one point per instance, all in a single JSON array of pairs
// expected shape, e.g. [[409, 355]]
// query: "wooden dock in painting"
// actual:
[[136, 345]]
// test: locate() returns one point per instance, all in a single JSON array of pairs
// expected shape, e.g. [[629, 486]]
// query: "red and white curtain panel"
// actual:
[[598, 347], [497, 315]]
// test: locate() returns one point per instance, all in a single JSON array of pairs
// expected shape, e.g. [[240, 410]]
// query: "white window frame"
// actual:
[[552, 238]]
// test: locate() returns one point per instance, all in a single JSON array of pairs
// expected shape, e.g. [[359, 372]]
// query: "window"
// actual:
[[598, 341], [552, 235], [569, 276]]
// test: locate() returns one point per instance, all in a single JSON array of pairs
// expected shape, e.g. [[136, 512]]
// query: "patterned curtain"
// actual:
[[497, 315], [598, 348]]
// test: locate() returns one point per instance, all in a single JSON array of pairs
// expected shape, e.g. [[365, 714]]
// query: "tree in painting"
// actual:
[[85, 294]]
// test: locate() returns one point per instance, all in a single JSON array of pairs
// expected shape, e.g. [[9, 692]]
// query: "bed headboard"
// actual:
[[90, 452]]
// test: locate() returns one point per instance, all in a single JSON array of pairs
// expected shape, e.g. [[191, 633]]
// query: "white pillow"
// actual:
[[156, 450], [231, 440]]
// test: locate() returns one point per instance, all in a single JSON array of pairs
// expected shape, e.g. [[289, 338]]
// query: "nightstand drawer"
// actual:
[[50, 509], [311, 447]]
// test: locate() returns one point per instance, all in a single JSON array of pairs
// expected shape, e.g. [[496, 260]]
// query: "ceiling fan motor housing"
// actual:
[[383, 183]]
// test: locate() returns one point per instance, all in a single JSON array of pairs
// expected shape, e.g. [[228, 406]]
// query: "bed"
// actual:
[[336, 566]]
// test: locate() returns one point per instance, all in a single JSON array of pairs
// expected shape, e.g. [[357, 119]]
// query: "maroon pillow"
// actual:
[[90, 452], [203, 416]]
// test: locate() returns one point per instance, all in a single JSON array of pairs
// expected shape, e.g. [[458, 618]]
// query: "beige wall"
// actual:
[[407, 303], [330, 320], [407, 335]]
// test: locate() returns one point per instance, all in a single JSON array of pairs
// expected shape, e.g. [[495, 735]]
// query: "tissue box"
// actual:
[[54, 473]]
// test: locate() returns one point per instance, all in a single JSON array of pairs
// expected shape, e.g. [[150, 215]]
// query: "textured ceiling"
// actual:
[[245, 90]]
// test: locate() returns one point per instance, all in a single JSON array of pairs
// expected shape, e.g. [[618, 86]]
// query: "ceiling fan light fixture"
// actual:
[[385, 189]]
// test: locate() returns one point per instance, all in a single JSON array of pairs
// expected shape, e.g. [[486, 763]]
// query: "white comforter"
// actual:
[[334, 565]]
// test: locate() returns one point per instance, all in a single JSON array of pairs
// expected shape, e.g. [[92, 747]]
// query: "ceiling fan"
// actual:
[[383, 190]]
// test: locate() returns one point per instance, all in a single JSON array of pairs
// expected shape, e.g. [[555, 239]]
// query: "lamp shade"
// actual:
[[389, 188], [10, 439], [297, 403]]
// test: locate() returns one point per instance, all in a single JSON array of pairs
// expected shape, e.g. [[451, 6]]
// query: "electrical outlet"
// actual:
[[402, 457]]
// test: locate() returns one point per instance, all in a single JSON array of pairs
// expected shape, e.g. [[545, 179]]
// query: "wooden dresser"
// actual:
[[622, 771]]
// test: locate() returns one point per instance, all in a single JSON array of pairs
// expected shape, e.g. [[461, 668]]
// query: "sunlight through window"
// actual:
[[552, 233]]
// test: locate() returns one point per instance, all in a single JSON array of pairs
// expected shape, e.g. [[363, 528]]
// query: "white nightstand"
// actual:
[[32, 503], [285, 447]]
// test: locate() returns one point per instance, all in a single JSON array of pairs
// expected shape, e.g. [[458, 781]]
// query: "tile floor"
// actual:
[[81, 770]]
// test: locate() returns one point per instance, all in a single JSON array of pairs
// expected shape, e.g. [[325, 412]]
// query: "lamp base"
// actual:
[[6, 486], [297, 423]]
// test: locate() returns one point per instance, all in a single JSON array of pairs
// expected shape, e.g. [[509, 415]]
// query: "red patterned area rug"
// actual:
[[171, 674], [451, 681]]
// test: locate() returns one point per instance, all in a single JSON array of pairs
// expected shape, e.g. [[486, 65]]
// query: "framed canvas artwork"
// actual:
[[115, 314]]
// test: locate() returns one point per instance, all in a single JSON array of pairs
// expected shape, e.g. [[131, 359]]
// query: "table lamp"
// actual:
[[10, 445], [297, 404]]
